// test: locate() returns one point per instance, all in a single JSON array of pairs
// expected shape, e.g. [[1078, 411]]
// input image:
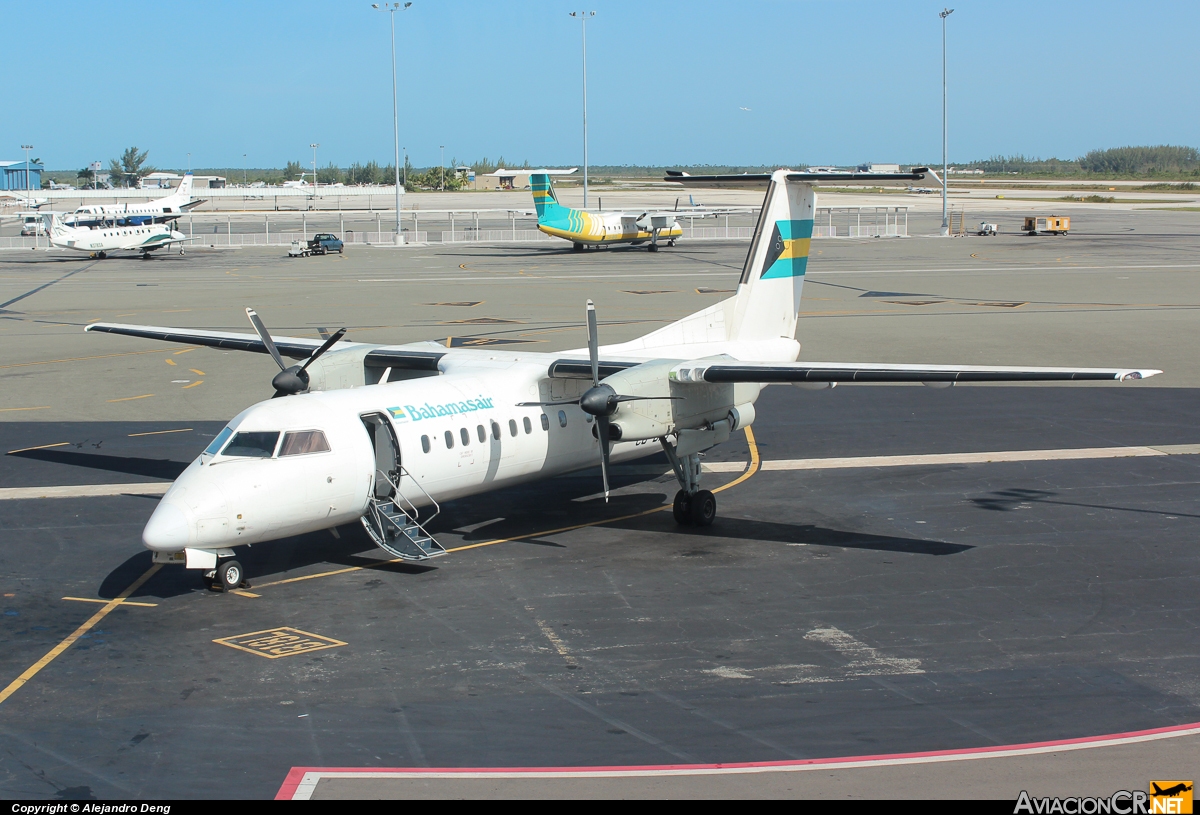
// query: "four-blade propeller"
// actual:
[[600, 400], [294, 379]]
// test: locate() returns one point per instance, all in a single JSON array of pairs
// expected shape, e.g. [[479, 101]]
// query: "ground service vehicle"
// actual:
[[324, 243], [987, 229]]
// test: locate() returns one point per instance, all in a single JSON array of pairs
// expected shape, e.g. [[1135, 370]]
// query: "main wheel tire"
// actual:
[[103, 255], [652, 247], [703, 509], [577, 247], [682, 509], [231, 575]]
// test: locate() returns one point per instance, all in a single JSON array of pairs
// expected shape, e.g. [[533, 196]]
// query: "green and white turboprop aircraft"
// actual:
[[104, 236], [384, 434]]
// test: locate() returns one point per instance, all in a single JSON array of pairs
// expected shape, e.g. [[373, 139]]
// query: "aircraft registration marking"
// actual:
[[274, 643]]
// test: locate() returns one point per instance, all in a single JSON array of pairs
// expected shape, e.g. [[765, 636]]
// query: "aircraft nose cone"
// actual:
[[168, 529]]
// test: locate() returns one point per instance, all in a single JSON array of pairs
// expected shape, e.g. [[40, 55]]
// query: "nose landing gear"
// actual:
[[228, 575]]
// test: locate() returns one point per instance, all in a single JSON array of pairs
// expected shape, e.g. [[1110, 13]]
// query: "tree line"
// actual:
[[1163, 160]]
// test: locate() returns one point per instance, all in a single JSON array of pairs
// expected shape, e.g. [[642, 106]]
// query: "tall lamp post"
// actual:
[[405, 168], [28, 187], [583, 18], [391, 10], [314, 147], [443, 167], [944, 13], [243, 169]]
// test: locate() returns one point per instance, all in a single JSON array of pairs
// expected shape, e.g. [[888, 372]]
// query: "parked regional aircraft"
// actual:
[[167, 208], [379, 433], [583, 228], [105, 236]]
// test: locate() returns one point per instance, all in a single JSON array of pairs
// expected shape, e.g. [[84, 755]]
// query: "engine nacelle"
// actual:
[[339, 369]]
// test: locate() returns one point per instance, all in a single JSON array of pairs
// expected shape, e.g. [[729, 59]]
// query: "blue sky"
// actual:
[[826, 82]]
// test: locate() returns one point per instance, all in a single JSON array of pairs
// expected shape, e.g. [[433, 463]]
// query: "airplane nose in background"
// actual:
[[168, 529]]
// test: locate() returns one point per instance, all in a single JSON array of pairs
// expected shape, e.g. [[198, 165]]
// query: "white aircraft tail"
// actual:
[[768, 294], [185, 189]]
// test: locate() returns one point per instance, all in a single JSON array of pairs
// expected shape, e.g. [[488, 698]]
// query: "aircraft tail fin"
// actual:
[[768, 294], [185, 187], [544, 199]]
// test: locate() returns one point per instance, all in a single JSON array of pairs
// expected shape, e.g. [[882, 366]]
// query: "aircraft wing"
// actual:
[[292, 347], [798, 372]]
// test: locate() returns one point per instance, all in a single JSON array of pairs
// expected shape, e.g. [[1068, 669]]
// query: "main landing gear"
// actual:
[[693, 506], [229, 575]]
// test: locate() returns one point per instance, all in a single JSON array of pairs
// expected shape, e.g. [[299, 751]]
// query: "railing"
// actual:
[[415, 513]]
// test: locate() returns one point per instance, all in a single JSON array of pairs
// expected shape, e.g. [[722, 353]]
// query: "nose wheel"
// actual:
[[229, 575]]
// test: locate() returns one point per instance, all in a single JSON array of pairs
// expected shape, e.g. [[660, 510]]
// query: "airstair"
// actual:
[[394, 523]]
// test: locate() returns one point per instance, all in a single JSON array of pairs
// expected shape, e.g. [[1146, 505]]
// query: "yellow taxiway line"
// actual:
[[57, 650]]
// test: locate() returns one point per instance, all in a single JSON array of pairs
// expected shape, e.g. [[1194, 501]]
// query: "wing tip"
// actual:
[[1143, 373]]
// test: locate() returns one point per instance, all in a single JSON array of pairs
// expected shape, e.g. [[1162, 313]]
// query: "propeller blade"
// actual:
[[329, 343], [644, 398], [546, 404], [266, 338], [593, 343], [602, 433]]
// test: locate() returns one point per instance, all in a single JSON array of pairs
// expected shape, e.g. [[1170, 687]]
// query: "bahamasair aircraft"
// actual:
[[167, 208], [595, 229], [105, 236], [384, 434]]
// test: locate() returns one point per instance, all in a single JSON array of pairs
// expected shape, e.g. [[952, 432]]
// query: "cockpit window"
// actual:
[[252, 445], [216, 443], [300, 442]]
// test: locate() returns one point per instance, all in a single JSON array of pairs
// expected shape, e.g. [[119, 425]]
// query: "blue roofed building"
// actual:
[[12, 176]]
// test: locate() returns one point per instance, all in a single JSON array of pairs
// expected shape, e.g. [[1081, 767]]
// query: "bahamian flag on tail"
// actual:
[[787, 253]]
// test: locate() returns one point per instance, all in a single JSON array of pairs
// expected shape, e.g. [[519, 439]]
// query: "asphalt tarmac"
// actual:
[[849, 611]]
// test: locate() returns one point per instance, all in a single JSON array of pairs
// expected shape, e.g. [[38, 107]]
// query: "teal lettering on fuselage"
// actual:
[[428, 411]]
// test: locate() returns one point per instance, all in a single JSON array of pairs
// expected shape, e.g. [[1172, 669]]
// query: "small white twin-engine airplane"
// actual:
[[104, 236], [167, 208], [385, 433]]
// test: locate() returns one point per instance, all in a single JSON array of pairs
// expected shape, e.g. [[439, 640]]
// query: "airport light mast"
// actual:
[[443, 167], [944, 13], [314, 147], [583, 18], [27, 148], [395, 111]]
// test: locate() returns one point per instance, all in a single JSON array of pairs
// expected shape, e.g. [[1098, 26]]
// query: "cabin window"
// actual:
[[495, 432], [528, 426], [252, 445], [466, 437], [449, 440], [512, 427], [562, 418], [425, 444], [545, 422], [302, 442]]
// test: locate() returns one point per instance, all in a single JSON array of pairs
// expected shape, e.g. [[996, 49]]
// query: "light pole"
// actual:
[[189, 162], [243, 169], [443, 167], [583, 18], [944, 13], [395, 111], [27, 148], [314, 147], [406, 168]]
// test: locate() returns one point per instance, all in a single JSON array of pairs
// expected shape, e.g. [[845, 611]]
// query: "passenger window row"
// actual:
[[481, 433]]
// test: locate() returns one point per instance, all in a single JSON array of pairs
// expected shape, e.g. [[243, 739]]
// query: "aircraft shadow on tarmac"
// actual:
[[512, 513], [1008, 500], [148, 467]]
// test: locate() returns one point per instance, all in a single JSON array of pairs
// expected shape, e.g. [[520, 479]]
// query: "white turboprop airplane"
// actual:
[[105, 236], [167, 208], [384, 433]]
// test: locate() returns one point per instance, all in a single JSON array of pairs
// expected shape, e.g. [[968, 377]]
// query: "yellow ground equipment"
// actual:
[[1052, 224]]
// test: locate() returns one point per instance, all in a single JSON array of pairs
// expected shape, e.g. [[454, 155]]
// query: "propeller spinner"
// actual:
[[292, 379]]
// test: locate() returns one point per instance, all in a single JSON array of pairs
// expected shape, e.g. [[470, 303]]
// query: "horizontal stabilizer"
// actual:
[[759, 180]]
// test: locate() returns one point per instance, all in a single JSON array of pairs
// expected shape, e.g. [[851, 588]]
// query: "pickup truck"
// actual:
[[325, 243]]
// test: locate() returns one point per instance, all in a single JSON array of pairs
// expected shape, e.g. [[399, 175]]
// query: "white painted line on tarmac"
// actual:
[[83, 491]]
